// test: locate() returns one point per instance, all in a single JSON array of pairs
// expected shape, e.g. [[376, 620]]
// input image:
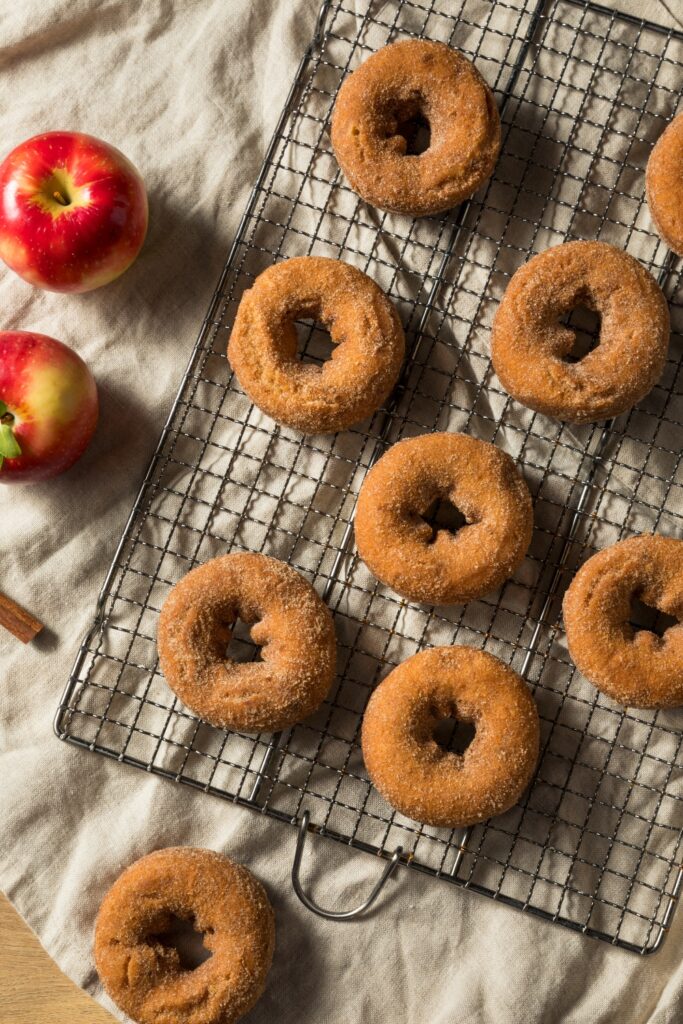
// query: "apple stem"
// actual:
[[9, 446], [60, 198]]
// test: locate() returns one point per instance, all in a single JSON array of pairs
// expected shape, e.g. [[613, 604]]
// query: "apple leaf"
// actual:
[[9, 446], [3, 408]]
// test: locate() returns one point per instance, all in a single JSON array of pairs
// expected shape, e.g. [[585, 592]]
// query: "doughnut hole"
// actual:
[[644, 616], [407, 126], [443, 515], [584, 323], [450, 727], [182, 935], [413, 126], [314, 342], [453, 734], [240, 643]]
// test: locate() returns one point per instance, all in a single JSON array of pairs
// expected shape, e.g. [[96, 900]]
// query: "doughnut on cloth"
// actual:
[[223, 901]]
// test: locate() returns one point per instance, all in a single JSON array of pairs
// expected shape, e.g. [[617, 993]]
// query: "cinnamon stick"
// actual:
[[18, 621]]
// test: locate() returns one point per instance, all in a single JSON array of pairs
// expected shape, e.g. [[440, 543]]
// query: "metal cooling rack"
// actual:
[[596, 843]]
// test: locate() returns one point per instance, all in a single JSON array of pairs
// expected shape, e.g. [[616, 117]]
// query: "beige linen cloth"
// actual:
[[191, 91]]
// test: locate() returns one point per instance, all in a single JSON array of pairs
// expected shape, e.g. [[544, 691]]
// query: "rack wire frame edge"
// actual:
[[143, 497]]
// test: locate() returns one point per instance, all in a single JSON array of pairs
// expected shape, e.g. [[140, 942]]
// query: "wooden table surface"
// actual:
[[32, 988]]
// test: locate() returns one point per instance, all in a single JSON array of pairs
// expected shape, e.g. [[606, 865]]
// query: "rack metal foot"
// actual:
[[337, 915]]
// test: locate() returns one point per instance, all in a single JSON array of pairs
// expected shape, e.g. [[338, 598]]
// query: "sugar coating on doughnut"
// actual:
[[369, 344], [529, 344], [397, 543], [224, 901], [397, 83], [664, 185], [291, 624], [634, 667], [419, 777]]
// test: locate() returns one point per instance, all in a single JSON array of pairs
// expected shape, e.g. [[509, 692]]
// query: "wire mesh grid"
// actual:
[[596, 842]]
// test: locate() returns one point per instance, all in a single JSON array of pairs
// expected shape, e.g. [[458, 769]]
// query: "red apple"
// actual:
[[73, 212], [48, 406]]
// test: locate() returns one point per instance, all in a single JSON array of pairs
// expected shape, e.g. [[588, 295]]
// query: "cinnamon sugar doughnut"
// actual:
[[419, 777], [636, 668], [412, 79], [664, 185], [290, 623], [402, 549], [529, 344], [145, 977], [364, 327]]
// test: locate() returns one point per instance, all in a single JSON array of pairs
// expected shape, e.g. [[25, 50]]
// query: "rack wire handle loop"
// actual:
[[337, 915], [319, 30]]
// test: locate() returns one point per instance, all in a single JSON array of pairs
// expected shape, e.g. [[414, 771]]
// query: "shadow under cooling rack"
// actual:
[[596, 842]]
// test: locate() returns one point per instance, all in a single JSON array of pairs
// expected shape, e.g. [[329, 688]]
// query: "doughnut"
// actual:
[[419, 777], [292, 626], [634, 667], [664, 185], [421, 563], [402, 83], [364, 328], [530, 346], [144, 976]]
